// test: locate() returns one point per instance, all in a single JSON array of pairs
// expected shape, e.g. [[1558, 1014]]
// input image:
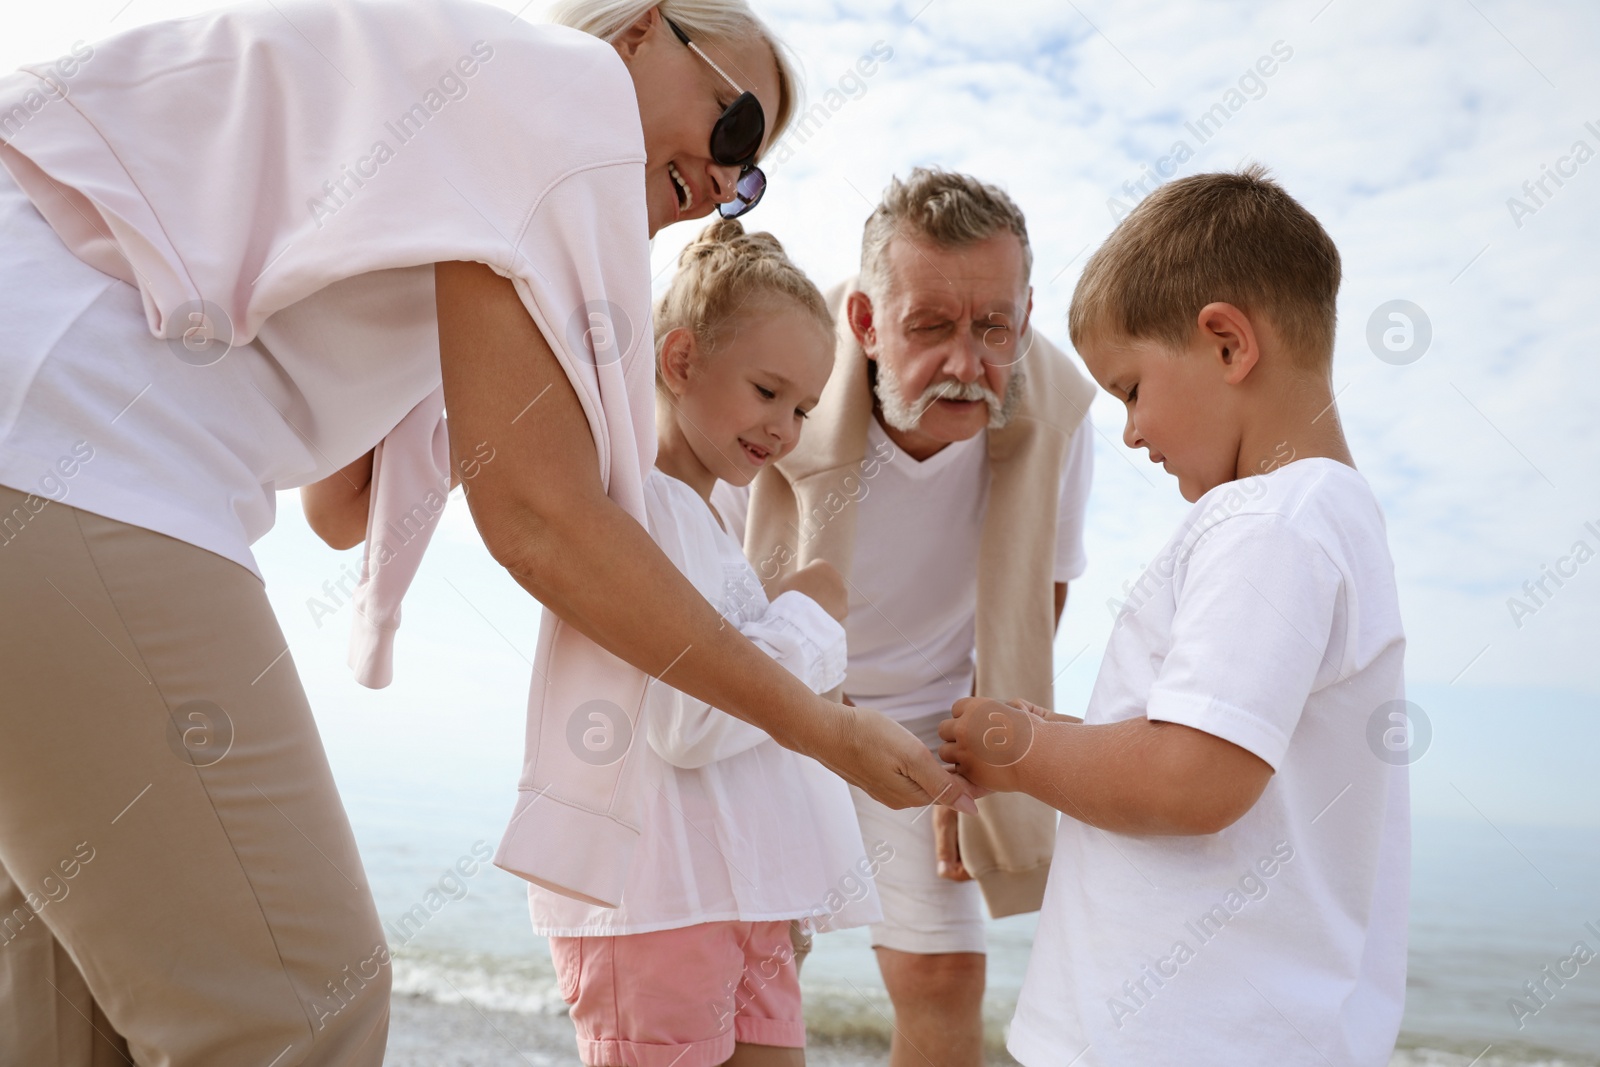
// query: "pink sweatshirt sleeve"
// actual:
[[410, 484]]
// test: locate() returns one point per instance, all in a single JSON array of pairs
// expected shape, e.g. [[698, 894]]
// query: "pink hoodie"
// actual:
[[234, 163]]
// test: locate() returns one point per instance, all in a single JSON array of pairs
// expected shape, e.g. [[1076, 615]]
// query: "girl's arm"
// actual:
[[795, 633], [545, 517]]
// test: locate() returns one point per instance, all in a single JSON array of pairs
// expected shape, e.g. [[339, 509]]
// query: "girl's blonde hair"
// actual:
[[724, 272], [702, 20]]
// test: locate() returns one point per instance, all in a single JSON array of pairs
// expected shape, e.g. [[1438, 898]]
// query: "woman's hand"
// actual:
[[336, 507], [822, 582], [885, 760]]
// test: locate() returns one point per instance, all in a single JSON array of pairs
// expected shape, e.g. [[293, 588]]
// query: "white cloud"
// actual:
[[1404, 127]]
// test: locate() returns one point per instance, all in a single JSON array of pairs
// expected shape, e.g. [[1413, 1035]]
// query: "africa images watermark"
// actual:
[[346, 987], [1538, 192], [53, 488], [1251, 888], [54, 887], [338, 191], [1538, 991], [1399, 732], [1252, 85], [850, 85], [1537, 592], [452, 885], [852, 488], [398, 532], [17, 114]]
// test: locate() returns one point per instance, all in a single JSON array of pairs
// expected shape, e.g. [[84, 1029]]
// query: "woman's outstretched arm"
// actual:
[[544, 516]]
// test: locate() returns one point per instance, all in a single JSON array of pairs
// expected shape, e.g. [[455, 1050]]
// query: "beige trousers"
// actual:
[[179, 885]]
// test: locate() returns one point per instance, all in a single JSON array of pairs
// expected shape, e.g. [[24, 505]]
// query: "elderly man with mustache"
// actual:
[[944, 475]]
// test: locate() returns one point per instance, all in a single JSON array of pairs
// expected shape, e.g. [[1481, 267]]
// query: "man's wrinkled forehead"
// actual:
[[982, 277]]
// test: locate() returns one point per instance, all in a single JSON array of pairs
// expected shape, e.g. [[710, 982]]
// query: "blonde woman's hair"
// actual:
[[702, 20], [724, 272]]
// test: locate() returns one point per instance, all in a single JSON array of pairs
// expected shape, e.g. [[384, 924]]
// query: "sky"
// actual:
[[1417, 132]]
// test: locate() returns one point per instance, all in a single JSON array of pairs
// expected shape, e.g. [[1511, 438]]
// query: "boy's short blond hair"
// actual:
[[1237, 238]]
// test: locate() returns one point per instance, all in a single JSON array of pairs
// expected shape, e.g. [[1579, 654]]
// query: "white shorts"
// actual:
[[922, 913]]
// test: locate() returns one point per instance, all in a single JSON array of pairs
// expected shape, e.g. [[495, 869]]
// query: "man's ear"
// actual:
[[1228, 335], [858, 309], [678, 353], [634, 37]]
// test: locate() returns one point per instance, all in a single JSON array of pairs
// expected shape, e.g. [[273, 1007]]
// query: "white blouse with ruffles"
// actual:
[[734, 827]]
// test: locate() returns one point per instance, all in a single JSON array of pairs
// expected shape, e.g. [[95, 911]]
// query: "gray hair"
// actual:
[[942, 206], [718, 20]]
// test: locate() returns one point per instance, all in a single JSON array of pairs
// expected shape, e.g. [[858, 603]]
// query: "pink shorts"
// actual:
[[681, 998]]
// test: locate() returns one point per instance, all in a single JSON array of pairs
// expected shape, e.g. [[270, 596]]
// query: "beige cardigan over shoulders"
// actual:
[[800, 510]]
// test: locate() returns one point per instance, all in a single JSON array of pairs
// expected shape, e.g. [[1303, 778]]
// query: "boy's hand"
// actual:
[[822, 582], [986, 739], [1047, 716]]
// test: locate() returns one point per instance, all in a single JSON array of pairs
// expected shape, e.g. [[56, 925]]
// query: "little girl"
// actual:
[[739, 835]]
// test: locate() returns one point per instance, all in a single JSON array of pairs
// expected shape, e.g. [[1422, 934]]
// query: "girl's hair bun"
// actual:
[[725, 270], [722, 232]]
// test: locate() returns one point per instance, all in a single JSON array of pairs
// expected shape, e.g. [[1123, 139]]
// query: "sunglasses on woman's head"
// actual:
[[736, 138]]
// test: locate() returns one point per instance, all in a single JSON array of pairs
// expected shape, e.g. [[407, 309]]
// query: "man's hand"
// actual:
[[947, 844], [822, 582]]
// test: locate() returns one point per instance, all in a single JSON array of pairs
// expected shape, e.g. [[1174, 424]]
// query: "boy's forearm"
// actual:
[[1100, 775], [1140, 777]]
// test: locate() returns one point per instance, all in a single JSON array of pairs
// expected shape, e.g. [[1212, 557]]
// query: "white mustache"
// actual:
[[905, 416], [960, 391]]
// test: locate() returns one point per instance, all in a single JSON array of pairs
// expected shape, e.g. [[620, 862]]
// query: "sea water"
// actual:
[[1496, 914]]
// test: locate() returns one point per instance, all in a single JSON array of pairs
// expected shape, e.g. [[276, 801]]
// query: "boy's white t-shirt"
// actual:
[[1270, 620]]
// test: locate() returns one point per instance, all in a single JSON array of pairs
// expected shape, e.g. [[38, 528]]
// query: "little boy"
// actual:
[[1230, 885]]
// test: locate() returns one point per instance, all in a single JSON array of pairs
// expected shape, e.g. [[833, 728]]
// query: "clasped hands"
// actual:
[[985, 740]]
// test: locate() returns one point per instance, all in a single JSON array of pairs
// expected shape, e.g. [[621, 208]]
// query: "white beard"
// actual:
[[905, 416]]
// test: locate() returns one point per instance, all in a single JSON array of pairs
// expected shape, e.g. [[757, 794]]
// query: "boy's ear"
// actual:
[[1229, 336]]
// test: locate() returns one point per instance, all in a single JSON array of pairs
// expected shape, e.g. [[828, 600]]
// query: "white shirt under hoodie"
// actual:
[[735, 827]]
